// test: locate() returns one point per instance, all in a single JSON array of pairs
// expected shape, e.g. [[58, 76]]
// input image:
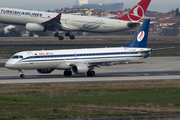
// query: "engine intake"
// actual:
[[34, 27], [80, 68], [44, 71]]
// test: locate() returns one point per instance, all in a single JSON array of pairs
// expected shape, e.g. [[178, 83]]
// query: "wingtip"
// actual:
[[58, 16]]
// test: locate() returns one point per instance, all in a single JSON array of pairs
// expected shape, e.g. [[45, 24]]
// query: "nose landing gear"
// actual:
[[21, 74]]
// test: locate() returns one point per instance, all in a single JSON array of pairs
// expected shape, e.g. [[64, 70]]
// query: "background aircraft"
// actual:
[[38, 21], [82, 61]]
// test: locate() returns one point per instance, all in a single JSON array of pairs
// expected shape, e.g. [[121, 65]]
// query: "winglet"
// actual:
[[140, 41], [58, 16], [137, 13]]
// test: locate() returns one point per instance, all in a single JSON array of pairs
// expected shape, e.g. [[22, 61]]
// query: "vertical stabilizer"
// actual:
[[137, 13], [140, 40]]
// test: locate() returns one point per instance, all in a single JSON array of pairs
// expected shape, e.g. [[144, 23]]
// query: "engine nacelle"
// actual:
[[44, 71], [80, 68], [34, 27]]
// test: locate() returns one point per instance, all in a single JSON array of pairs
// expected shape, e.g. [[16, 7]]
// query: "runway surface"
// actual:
[[88, 37], [153, 68]]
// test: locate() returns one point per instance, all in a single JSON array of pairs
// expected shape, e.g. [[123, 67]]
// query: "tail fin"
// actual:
[[140, 40], [118, 13], [137, 13]]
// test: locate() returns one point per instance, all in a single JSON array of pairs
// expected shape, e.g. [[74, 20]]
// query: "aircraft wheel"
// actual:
[[56, 34], [67, 34], [61, 38], [91, 73], [22, 76], [72, 37], [67, 73]]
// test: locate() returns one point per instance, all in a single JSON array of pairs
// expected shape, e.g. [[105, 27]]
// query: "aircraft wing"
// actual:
[[109, 61], [54, 21], [103, 62]]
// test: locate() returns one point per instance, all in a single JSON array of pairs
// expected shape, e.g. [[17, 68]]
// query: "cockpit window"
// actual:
[[17, 57], [21, 57]]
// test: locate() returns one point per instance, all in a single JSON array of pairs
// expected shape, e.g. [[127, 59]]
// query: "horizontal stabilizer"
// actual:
[[163, 48]]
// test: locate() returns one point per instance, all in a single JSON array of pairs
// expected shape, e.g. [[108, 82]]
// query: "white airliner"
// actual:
[[81, 61], [41, 21]]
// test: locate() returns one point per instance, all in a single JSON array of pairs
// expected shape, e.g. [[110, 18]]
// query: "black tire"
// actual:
[[22, 76], [67, 34], [67, 73], [91, 73], [72, 37], [61, 38], [56, 34]]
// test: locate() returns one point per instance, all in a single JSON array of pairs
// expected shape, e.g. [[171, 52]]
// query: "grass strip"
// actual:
[[2, 64], [89, 100]]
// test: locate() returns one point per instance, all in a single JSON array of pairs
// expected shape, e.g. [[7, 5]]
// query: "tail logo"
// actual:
[[136, 14], [140, 36]]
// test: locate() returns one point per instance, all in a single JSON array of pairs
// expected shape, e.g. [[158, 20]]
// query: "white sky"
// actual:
[[44, 5]]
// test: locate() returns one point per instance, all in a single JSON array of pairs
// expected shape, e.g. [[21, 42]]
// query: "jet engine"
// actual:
[[44, 71], [34, 27], [80, 68]]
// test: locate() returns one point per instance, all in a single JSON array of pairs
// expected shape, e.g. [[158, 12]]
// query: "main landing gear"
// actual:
[[91, 73], [21, 74], [71, 36], [67, 73], [60, 36]]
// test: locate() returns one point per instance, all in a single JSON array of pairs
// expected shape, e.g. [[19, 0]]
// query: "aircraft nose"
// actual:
[[9, 65]]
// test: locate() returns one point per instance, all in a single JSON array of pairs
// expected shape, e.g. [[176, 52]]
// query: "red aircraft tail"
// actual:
[[137, 13], [118, 13]]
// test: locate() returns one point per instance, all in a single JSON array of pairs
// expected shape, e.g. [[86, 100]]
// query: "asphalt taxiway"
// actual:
[[152, 68]]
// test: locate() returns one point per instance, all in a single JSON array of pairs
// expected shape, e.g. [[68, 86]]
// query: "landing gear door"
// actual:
[[31, 57]]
